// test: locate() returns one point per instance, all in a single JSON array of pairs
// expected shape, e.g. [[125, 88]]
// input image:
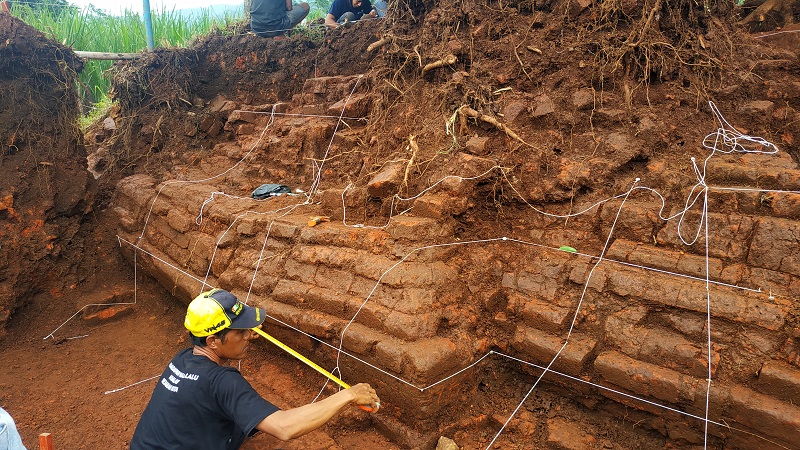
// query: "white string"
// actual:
[[315, 185], [777, 32], [130, 385], [574, 318], [168, 183], [320, 116]]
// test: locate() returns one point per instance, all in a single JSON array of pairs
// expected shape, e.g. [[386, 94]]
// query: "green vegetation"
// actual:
[[93, 30]]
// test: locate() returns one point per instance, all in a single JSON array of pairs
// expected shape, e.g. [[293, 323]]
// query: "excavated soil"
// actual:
[[581, 119]]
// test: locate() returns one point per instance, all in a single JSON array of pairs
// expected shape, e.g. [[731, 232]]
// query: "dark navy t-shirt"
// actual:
[[268, 15], [199, 405], [339, 7]]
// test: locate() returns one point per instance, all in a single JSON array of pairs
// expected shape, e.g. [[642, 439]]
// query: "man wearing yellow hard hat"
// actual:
[[201, 403]]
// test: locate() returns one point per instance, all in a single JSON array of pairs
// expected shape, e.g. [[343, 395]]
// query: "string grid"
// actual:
[[726, 139]]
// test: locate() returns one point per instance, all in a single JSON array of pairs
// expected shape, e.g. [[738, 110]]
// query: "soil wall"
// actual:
[[45, 189], [503, 189]]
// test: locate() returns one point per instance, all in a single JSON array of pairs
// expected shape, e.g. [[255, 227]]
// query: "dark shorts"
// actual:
[[292, 18]]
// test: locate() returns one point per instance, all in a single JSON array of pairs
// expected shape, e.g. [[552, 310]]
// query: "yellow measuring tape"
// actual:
[[311, 364]]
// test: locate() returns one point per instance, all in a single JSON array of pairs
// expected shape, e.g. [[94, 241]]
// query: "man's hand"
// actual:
[[364, 395], [291, 423], [373, 14], [330, 22]]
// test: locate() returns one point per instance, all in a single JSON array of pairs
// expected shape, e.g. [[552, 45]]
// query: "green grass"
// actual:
[[94, 31], [91, 30]]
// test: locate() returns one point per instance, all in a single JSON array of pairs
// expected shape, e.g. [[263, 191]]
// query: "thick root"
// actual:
[[466, 111], [446, 61], [380, 43]]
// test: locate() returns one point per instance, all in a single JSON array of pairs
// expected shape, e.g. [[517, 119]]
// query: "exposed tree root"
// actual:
[[412, 145], [446, 61], [466, 111], [771, 14], [380, 43]]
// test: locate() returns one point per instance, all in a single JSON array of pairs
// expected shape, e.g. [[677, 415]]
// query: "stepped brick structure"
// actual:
[[411, 300]]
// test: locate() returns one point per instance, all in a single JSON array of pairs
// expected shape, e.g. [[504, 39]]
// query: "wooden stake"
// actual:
[[107, 56], [46, 441]]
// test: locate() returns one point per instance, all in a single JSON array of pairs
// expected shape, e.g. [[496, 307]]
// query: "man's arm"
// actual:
[[288, 5], [296, 422], [330, 21]]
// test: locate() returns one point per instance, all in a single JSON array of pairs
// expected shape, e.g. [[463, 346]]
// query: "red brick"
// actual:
[[369, 312], [769, 416], [312, 322], [361, 339], [665, 259], [280, 229], [737, 174], [419, 274], [440, 207], [658, 346], [332, 278], [418, 229], [201, 247], [338, 235], [774, 245], [737, 306], [780, 380], [412, 327], [643, 379], [126, 220], [567, 435], [727, 236], [757, 203], [180, 239], [299, 271], [543, 276], [784, 204], [244, 116], [357, 105], [408, 301], [540, 348], [538, 313], [637, 222], [429, 359], [236, 276], [730, 303]]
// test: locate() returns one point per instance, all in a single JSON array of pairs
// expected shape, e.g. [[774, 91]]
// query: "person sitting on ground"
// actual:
[[200, 403], [269, 18], [345, 11], [9, 436]]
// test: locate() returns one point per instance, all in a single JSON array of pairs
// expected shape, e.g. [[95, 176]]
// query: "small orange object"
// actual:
[[317, 220], [46, 441]]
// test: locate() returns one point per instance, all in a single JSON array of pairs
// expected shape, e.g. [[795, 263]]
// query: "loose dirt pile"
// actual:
[[568, 102]]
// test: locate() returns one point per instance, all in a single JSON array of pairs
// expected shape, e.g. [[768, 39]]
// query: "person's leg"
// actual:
[[346, 17], [297, 14]]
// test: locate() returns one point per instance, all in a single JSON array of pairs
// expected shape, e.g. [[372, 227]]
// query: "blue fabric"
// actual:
[[270, 17], [340, 7], [9, 436], [380, 8]]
